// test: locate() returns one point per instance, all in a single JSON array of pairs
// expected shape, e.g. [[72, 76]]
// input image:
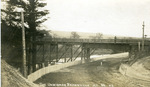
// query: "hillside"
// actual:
[[84, 35], [139, 70], [66, 34], [12, 78]]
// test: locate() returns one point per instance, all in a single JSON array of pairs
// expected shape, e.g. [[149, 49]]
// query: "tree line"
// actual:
[[11, 31]]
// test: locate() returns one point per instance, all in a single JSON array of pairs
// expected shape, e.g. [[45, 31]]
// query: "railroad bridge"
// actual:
[[52, 50]]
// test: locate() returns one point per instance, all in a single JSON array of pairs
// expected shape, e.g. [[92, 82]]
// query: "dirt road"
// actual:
[[94, 74]]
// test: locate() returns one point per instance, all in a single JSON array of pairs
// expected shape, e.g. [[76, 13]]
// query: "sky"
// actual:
[[114, 17]]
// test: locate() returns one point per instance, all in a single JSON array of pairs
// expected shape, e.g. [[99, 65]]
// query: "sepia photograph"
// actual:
[[75, 43]]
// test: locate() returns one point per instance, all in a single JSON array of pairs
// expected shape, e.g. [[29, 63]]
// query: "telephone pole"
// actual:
[[143, 37], [24, 46]]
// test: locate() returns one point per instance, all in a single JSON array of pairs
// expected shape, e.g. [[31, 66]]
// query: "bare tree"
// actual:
[[99, 36], [92, 37], [55, 36], [74, 35]]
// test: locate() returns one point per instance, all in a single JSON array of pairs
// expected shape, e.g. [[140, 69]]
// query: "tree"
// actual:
[[74, 35], [55, 36], [11, 35], [99, 36], [32, 13], [33, 16]]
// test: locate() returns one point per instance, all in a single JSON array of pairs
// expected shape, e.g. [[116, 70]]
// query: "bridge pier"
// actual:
[[82, 54], [71, 52], [88, 53], [135, 53], [50, 54]]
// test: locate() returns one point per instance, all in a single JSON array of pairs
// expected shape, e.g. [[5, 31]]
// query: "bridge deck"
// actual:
[[78, 41]]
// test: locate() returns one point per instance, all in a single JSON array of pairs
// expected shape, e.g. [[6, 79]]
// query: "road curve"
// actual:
[[102, 73]]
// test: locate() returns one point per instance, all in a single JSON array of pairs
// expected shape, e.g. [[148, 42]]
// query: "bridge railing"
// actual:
[[77, 40], [91, 40]]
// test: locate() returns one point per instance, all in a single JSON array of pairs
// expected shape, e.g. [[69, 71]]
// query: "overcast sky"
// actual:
[[115, 17]]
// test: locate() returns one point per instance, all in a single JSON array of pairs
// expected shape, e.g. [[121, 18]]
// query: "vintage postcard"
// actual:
[[75, 43]]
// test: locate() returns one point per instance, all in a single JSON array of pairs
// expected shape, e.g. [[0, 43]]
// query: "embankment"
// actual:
[[138, 70], [12, 78]]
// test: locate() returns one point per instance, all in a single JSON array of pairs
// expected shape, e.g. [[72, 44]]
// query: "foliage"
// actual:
[[11, 24], [33, 15], [98, 36], [74, 35]]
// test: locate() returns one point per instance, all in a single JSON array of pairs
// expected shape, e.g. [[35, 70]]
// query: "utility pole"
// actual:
[[143, 37], [24, 46], [23, 43]]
